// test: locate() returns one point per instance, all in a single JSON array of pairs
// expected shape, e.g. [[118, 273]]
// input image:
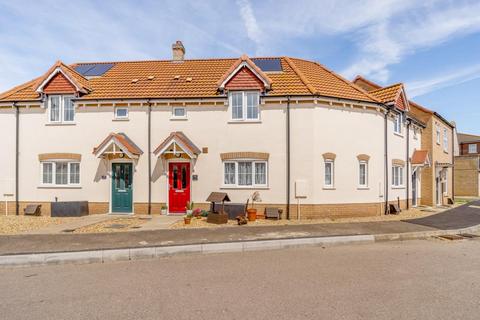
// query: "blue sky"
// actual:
[[431, 46]]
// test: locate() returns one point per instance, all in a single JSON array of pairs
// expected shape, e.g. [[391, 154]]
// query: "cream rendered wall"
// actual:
[[7, 158], [347, 133]]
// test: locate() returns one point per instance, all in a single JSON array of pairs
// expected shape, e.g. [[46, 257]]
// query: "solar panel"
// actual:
[[269, 64], [93, 69]]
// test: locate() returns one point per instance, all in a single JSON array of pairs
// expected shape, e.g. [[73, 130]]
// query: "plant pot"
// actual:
[[187, 220], [164, 212], [189, 211], [252, 214]]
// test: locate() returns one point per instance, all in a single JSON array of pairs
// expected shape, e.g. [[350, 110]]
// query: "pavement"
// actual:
[[101, 247], [428, 280]]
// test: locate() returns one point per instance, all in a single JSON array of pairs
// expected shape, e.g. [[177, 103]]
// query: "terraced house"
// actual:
[[129, 137]]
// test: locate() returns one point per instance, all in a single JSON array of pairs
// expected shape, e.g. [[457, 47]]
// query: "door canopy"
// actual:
[[177, 145], [420, 158], [117, 145]]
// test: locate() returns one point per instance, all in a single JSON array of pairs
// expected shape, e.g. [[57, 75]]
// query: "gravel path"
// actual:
[[19, 224]]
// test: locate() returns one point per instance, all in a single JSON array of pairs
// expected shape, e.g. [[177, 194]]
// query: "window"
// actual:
[[438, 133], [397, 125], [61, 109], [245, 173], [179, 113], [121, 113], [60, 173], [363, 174], [397, 176], [245, 106], [328, 175], [445, 140], [415, 134], [472, 148]]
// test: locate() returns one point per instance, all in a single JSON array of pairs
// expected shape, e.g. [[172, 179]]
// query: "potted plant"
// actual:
[[252, 212], [187, 218], [189, 207], [197, 213], [164, 210]]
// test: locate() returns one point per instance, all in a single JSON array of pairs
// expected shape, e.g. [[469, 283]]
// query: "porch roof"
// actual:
[[179, 138], [120, 140], [420, 158]]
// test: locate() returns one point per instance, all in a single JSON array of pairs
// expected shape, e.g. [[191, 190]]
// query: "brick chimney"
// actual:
[[178, 51]]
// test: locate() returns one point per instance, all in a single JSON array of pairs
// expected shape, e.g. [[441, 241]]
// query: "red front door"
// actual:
[[178, 186]]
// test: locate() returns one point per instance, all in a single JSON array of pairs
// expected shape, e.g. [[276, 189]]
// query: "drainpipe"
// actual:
[[17, 150], [453, 164], [408, 162], [149, 158], [288, 157], [386, 210]]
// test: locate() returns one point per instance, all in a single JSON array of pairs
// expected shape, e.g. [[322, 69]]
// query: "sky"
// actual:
[[432, 46]]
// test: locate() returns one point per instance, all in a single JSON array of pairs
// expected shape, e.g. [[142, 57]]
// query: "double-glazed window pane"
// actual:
[[61, 173], [252, 105], [74, 173], [245, 173], [55, 109], [397, 176], [363, 174], [179, 112], [472, 148], [328, 173], [237, 105], [68, 109], [47, 173], [229, 174], [260, 173]]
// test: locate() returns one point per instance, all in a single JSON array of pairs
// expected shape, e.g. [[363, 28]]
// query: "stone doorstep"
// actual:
[[108, 255]]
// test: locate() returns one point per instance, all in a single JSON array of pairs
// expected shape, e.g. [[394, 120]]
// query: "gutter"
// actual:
[[288, 157], [17, 151]]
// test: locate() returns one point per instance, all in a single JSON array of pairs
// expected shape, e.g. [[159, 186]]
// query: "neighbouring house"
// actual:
[[467, 166], [131, 137], [437, 148]]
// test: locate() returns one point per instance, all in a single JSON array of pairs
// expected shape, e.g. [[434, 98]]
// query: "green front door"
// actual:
[[122, 187]]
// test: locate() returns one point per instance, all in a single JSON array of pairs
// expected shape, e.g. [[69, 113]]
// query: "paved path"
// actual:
[[425, 280], [463, 216], [460, 217], [77, 223]]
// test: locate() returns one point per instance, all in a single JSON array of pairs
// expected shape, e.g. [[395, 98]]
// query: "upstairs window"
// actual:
[[472, 148], [445, 140], [244, 105], [121, 113], [61, 109], [179, 113], [438, 133], [397, 124]]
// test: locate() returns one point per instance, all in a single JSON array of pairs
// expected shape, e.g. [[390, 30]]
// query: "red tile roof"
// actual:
[[183, 139], [123, 140], [420, 157], [197, 78]]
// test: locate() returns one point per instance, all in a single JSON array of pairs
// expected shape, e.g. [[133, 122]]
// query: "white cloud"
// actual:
[[424, 86], [253, 31]]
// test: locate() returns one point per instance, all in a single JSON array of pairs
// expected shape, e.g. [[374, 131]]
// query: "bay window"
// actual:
[[61, 109], [245, 173], [244, 105], [60, 173]]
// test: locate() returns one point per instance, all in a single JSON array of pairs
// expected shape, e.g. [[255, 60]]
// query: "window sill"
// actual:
[[363, 188], [329, 188], [398, 134], [59, 187], [245, 187], [178, 118], [61, 124], [245, 121], [121, 119], [398, 187]]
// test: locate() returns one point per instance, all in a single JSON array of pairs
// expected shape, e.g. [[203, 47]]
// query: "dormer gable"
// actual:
[[244, 75], [401, 101], [60, 78]]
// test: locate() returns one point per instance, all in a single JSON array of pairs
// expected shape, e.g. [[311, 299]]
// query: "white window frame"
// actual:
[[117, 117], [236, 184], [360, 164], [244, 106], [174, 117], [445, 140], [332, 174], [415, 133], [397, 124], [398, 176], [54, 171], [61, 118], [437, 127], [472, 148]]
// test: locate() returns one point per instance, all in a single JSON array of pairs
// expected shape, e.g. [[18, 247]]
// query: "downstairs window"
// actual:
[[60, 173], [244, 173]]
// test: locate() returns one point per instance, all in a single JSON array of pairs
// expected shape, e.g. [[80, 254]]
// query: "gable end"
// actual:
[[245, 79], [59, 84]]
